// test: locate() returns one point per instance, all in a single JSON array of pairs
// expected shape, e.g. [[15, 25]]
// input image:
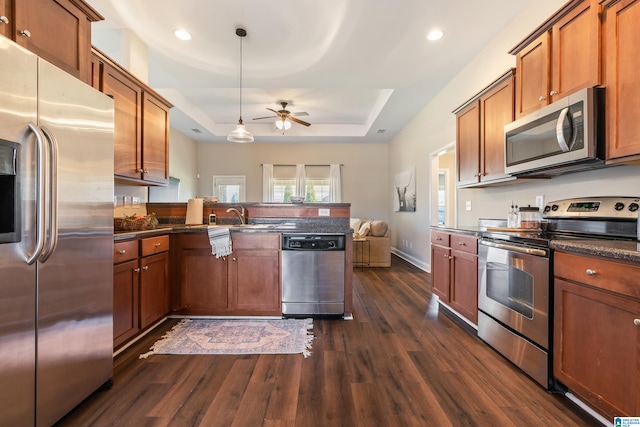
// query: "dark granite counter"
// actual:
[[289, 228], [616, 249], [469, 230]]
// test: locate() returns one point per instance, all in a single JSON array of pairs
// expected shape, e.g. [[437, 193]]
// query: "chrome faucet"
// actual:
[[240, 215]]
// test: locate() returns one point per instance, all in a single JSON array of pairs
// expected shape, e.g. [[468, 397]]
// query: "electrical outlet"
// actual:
[[540, 202], [468, 205], [136, 200], [410, 245], [324, 212]]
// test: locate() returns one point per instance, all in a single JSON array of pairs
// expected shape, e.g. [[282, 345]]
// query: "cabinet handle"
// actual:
[[25, 33], [146, 171], [553, 93], [4, 19], [462, 244], [636, 322], [446, 256], [121, 251], [140, 170], [136, 270], [145, 268], [542, 98], [158, 245], [438, 238], [233, 259], [590, 272]]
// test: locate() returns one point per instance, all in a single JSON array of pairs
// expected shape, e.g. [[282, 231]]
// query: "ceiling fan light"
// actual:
[[240, 134], [280, 124]]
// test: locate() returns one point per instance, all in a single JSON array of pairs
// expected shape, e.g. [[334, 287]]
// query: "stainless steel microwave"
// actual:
[[565, 136]]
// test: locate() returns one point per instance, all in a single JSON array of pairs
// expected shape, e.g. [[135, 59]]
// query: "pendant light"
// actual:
[[240, 134]]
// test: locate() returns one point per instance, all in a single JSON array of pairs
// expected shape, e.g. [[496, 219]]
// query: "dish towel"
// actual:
[[220, 240]]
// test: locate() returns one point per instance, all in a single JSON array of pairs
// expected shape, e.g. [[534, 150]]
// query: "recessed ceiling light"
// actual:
[[182, 34], [435, 35]]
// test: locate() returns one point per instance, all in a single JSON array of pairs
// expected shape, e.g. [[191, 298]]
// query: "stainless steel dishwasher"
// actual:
[[312, 274]]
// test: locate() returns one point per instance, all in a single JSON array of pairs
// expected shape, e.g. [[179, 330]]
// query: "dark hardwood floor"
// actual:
[[399, 362]]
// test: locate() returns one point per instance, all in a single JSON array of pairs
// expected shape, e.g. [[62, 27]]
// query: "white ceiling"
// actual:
[[362, 69]]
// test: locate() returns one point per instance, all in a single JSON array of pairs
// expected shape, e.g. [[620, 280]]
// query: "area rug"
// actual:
[[216, 336]]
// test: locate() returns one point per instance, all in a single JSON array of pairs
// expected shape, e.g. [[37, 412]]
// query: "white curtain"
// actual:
[[335, 184], [267, 182], [301, 177]]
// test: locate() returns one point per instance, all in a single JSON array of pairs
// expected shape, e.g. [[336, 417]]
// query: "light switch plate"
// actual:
[[468, 205], [324, 212]]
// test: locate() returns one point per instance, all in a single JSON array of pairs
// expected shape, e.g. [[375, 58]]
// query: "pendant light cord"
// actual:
[[241, 33]]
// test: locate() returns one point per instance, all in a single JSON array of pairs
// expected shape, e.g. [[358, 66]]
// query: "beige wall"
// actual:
[[365, 169]]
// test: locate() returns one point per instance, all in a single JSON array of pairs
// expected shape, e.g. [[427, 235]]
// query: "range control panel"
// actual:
[[623, 208]]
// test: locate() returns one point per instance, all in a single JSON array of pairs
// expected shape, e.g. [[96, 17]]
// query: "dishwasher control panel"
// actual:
[[312, 242]]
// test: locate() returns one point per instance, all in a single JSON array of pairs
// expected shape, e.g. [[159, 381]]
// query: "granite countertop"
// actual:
[[251, 228], [471, 229], [616, 249]]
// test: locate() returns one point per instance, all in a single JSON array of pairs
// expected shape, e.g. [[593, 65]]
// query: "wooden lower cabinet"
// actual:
[[140, 286], [596, 339], [246, 283], [454, 272]]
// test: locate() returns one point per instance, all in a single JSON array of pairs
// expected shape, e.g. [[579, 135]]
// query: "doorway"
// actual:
[[443, 188]]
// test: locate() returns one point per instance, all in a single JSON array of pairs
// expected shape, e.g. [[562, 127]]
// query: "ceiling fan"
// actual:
[[285, 117]]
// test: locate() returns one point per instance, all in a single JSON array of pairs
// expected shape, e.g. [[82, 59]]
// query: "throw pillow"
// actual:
[[378, 228], [363, 230], [355, 224]]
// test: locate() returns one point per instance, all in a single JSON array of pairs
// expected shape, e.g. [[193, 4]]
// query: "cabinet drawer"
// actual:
[[613, 276], [463, 243], [154, 245], [125, 251], [440, 238], [242, 240]]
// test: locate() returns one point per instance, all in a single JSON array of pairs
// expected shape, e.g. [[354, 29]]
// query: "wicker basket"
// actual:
[[132, 223]]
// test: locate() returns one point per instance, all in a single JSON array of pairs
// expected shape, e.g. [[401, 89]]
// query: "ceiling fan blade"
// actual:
[[267, 117], [301, 113], [302, 122], [271, 109]]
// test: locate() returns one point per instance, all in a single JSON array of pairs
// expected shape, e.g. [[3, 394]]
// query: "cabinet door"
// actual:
[[6, 18], [126, 278], [254, 281], [622, 47], [497, 107], [155, 140], [203, 282], [464, 284], [575, 60], [532, 76], [596, 347], [154, 288], [58, 31], [127, 101], [468, 144], [441, 272]]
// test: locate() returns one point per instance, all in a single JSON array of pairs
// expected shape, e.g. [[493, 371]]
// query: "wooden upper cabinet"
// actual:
[[127, 139], [141, 135], [6, 18], [480, 133], [497, 110], [559, 58], [622, 54], [532, 81], [468, 143], [155, 137], [56, 30]]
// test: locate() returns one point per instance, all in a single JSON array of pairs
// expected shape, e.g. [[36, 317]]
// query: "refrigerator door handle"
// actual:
[[52, 214], [40, 190]]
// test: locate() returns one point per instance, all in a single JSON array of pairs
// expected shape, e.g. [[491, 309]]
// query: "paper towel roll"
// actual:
[[194, 212]]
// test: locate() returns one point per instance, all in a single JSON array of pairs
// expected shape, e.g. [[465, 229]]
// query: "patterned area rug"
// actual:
[[214, 336]]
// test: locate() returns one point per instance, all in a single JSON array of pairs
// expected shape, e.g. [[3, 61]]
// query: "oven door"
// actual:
[[514, 288]]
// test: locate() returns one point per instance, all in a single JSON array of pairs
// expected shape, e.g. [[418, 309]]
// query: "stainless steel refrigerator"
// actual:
[[56, 239]]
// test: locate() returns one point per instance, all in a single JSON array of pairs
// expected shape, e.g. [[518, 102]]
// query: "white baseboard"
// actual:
[[412, 260]]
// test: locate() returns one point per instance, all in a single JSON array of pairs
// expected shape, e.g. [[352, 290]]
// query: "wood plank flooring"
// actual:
[[399, 362]]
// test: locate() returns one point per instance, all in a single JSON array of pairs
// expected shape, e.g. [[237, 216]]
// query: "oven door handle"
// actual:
[[514, 248]]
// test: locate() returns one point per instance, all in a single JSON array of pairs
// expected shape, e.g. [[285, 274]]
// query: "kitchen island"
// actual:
[[188, 280]]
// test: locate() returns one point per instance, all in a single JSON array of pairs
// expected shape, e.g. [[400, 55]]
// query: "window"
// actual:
[[313, 182], [229, 188]]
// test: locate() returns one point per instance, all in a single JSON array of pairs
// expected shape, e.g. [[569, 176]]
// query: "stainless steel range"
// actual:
[[515, 272]]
